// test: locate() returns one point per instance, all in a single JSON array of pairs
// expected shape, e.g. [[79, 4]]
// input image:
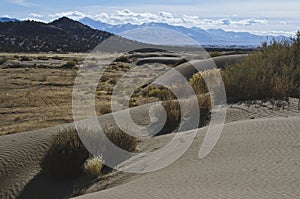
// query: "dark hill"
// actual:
[[62, 35]]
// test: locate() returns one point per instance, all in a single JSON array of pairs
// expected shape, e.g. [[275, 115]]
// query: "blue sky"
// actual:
[[257, 16]]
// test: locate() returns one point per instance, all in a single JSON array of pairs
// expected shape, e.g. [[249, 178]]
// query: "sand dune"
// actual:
[[257, 156], [19, 159], [253, 159], [21, 153], [262, 153]]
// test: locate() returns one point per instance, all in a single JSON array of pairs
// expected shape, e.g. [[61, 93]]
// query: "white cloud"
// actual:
[[283, 22], [166, 15], [7, 16], [242, 22], [35, 15], [76, 15], [22, 3], [127, 16], [18, 2]]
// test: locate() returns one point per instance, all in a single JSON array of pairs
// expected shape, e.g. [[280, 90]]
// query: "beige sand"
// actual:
[[254, 158], [257, 156]]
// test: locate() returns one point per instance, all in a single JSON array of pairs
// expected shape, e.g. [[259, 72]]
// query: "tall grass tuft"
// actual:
[[121, 139], [93, 167], [66, 155]]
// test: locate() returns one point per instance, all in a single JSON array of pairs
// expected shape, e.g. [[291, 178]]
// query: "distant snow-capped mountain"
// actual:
[[6, 19], [214, 37]]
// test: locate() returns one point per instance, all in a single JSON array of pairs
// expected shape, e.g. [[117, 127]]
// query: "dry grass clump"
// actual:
[[3, 60], [204, 101], [44, 58], [174, 111], [273, 73], [198, 83], [69, 64], [155, 92], [93, 167], [66, 155], [215, 54], [200, 80], [68, 158], [161, 93], [25, 58], [121, 139], [105, 108], [57, 58], [172, 108], [152, 91]]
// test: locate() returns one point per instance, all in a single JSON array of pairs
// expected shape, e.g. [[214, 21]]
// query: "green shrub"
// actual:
[[275, 73]]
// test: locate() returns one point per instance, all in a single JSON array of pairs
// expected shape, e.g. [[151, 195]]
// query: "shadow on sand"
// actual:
[[41, 186]]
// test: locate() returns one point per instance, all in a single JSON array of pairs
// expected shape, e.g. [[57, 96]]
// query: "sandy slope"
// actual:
[[253, 159], [19, 160], [262, 154], [21, 153]]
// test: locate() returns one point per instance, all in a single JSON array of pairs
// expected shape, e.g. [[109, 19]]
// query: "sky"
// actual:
[[255, 16]]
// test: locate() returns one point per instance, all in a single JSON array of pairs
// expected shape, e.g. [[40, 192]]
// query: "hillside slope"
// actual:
[[62, 35]]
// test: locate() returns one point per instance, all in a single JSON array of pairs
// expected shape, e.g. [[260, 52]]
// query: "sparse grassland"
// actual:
[[36, 89], [37, 92]]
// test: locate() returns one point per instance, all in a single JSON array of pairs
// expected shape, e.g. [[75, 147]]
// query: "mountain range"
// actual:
[[211, 37], [61, 35], [67, 35], [6, 19]]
